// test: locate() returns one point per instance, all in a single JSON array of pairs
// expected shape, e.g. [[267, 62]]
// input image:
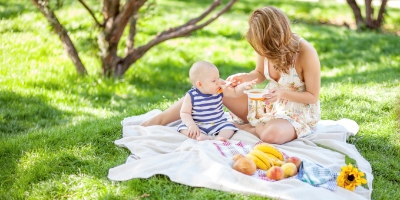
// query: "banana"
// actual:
[[263, 157], [260, 164], [274, 160], [267, 148]]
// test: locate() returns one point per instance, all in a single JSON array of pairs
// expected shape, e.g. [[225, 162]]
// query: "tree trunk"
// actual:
[[369, 21], [62, 33], [381, 13], [115, 23], [356, 11], [369, 13]]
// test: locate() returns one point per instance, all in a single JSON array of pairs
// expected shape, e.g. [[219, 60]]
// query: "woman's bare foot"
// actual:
[[203, 137]]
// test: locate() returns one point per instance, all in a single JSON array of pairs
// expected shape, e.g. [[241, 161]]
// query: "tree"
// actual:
[[116, 17], [369, 21]]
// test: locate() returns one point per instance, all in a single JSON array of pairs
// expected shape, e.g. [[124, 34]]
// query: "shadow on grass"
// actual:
[[13, 9], [20, 114]]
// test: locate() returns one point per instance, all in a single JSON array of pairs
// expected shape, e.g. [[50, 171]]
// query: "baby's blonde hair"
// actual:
[[271, 37], [199, 70]]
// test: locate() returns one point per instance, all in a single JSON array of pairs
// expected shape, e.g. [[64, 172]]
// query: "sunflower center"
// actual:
[[350, 177]]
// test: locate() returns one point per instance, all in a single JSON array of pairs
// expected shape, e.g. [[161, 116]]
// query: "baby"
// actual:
[[202, 111]]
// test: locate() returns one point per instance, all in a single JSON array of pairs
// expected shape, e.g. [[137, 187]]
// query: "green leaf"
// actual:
[[365, 186], [347, 159]]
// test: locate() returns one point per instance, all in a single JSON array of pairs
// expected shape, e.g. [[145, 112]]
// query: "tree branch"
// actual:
[[91, 13], [43, 6], [215, 4], [130, 41], [381, 11], [130, 7], [110, 8], [369, 11], [110, 11], [179, 31]]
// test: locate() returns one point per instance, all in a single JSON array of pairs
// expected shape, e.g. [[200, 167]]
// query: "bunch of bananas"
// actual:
[[265, 156]]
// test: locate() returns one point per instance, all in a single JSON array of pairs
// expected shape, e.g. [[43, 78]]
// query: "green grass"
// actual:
[[57, 129]]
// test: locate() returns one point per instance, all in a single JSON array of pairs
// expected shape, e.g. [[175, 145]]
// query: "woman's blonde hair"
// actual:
[[271, 37]]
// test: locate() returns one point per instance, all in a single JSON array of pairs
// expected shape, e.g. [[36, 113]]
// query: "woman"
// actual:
[[291, 65]]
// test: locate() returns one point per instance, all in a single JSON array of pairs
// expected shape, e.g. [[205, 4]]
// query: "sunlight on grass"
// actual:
[[46, 164], [76, 186]]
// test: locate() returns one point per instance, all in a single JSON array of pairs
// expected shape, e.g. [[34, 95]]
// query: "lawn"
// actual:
[[57, 129]]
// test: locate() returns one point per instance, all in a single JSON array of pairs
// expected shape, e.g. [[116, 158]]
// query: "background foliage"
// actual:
[[57, 129]]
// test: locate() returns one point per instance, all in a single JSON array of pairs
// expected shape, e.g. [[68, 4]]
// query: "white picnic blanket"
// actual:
[[162, 150]]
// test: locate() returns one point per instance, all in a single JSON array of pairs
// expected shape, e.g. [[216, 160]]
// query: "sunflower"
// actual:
[[349, 178]]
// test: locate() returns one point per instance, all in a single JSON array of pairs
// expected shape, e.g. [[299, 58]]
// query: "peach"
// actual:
[[275, 173], [289, 169], [295, 160], [245, 165], [237, 156]]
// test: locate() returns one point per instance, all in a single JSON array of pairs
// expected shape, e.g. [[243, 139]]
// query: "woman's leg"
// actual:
[[276, 131], [237, 106], [167, 116]]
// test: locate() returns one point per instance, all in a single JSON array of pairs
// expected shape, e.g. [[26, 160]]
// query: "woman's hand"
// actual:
[[249, 85], [237, 79], [273, 95]]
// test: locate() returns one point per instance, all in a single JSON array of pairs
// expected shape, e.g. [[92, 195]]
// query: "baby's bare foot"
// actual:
[[203, 137], [220, 138]]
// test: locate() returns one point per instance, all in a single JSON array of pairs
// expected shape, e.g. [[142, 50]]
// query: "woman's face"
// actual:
[[211, 83]]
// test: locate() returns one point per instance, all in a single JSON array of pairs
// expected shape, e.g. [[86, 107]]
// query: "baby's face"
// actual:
[[211, 82]]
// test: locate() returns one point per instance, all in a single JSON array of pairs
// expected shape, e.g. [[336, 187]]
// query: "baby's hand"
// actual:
[[193, 131]]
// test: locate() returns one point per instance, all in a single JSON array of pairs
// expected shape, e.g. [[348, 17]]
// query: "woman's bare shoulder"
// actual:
[[307, 52], [306, 47]]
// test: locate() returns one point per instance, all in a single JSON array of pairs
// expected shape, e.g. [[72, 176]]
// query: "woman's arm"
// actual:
[[311, 73], [257, 73]]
